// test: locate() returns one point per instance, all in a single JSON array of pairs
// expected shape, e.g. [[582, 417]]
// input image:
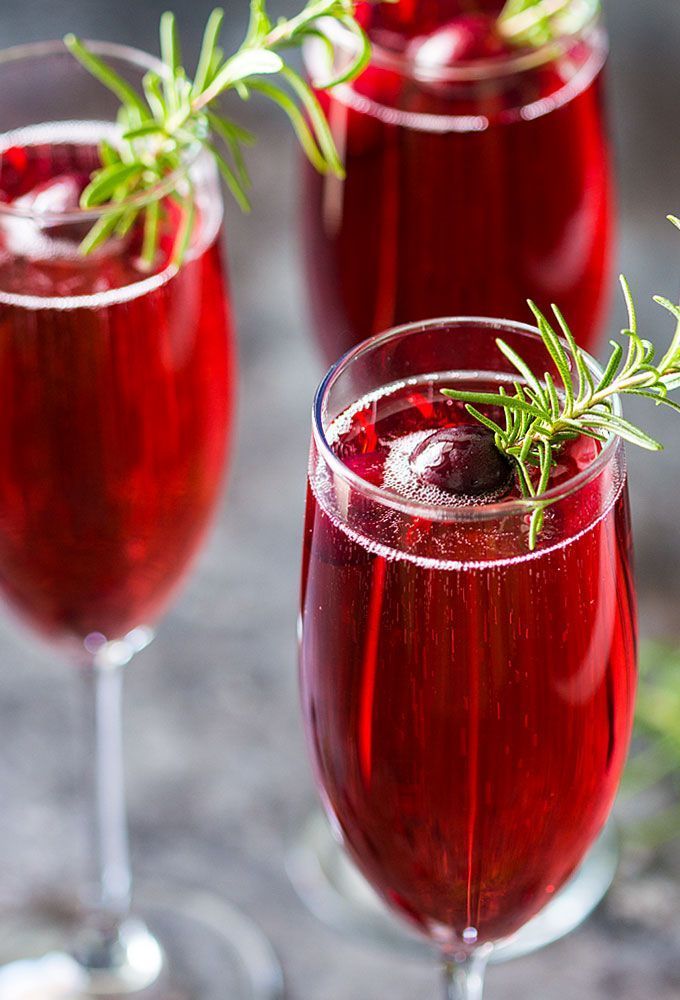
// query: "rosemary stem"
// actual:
[[517, 24], [173, 115], [617, 388]]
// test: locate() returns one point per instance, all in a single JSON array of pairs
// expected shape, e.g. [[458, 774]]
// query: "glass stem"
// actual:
[[464, 978], [118, 955], [104, 680]]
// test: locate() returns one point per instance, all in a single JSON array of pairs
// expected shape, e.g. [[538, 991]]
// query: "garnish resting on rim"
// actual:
[[532, 22], [176, 114], [542, 415]]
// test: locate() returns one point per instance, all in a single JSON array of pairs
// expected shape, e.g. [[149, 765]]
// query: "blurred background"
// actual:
[[217, 777]]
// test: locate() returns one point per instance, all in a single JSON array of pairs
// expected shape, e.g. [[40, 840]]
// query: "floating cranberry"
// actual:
[[463, 461], [466, 38], [409, 19], [54, 196]]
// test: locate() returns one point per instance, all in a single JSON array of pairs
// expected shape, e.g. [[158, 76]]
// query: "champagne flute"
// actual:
[[468, 702], [118, 383], [477, 173]]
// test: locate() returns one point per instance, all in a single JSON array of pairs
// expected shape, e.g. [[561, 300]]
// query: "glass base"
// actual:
[[182, 946], [333, 889]]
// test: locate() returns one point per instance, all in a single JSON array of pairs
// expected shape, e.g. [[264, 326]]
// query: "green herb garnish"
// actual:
[[176, 114], [532, 22], [542, 415]]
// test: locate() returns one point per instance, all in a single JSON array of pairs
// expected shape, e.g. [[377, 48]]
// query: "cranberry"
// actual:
[[464, 461], [465, 38], [54, 196], [419, 17]]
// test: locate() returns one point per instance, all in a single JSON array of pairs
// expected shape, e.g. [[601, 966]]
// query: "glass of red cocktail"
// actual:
[[477, 173], [117, 375], [468, 701]]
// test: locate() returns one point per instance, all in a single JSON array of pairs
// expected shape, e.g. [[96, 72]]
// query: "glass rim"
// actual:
[[464, 512], [137, 58], [478, 69]]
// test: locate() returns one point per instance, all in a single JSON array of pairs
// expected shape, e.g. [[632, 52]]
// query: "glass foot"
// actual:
[[335, 892], [186, 946]]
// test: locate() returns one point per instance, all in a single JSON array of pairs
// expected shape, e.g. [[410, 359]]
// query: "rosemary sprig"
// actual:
[[175, 114], [542, 414], [531, 22]]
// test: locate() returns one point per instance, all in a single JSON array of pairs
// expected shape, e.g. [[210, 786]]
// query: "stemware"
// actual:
[[469, 186], [467, 702], [117, 382]]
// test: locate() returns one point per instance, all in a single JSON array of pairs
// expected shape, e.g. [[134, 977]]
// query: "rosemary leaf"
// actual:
[[159, 127], [541, 416]]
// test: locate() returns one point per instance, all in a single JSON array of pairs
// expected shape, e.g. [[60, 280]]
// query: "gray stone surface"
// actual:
[[217, 776]]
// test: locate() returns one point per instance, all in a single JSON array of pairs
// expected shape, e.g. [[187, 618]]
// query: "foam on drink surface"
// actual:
[[43, 170], [375, 437], [389, 412]]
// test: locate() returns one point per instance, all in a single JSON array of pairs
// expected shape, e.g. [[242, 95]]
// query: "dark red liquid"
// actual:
[[461, 198], [115, 409], [396, 23], [468, 704]]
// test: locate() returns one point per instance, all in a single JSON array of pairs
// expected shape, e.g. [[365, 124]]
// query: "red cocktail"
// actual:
[[117, 380], [468, 702], [118, 389], [478, 174]]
